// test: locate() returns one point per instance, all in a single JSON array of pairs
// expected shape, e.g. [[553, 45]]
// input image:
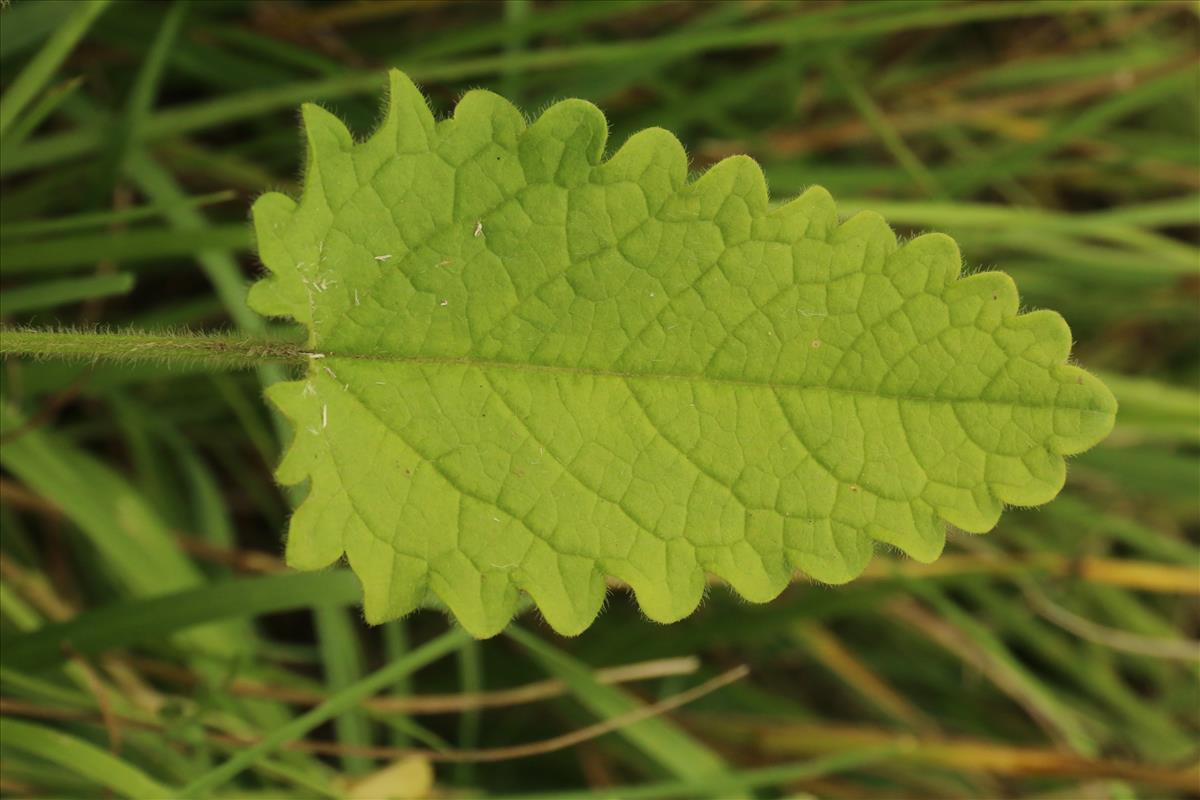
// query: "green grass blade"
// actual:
[[1155, 213], [874, 116], [1149, 400], [155, 244], [741, 782], [1022, 157], [49, 294], [132, 622], [209, 515], [43, 108], [20, 230], [470, 670], [395, 645], [135, 545], [1003, 221], [17, 611], [141, 98], [659, 739], [81, 758], [26, 24], [342, 661], [41, 68], [339, 703], [796, 29], [20, 684], [1013, 677]]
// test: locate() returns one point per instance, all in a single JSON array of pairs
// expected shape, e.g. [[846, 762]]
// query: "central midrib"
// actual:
[[319, 358]]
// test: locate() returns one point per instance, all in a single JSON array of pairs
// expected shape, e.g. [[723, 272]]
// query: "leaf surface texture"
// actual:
[[533, 367]]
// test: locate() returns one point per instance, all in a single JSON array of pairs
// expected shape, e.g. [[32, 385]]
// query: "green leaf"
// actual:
[[532, 368]]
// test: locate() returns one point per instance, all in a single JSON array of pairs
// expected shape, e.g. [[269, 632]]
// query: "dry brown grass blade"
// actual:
[[1171, 649], [39, 593], [950, 638], [1124, 573], [966, 755], [839, 660], [916, 118], [576, 737], [433, 704]]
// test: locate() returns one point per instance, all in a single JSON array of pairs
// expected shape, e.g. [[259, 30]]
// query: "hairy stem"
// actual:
[[215, 351]]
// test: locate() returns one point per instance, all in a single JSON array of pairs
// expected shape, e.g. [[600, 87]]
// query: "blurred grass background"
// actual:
[[153, 645]]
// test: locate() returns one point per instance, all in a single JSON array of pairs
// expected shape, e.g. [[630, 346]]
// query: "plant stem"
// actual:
[[216, 351]]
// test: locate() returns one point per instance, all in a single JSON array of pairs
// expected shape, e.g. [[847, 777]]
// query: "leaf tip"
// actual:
[[408, 119], [325, 133]]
